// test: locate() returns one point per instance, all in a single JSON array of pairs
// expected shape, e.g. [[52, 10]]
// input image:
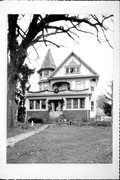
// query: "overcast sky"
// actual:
[[98, 56]]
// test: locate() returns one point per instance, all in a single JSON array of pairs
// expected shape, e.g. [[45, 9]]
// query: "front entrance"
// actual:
[[55, 108]]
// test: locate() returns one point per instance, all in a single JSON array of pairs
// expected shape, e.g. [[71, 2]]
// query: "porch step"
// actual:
[[55, 114]]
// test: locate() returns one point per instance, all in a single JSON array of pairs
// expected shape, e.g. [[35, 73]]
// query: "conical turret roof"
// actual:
[[48, 62]]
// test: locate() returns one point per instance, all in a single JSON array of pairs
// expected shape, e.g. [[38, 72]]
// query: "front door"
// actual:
[[55, 108]]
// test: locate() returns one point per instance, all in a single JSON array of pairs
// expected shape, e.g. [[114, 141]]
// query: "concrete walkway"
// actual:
[[11, 141]]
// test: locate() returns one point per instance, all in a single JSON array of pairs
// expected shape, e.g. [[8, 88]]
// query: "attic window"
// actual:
[[72, 69], [67, 70]]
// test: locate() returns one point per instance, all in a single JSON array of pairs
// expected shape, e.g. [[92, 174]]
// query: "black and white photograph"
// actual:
[[61, 87]]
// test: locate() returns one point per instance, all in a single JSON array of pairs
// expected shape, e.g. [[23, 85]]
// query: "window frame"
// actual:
[[31, 100], [43, 100], [40, 107], [76, 69], [81, 83], [36, 104], [46, 75], [92, 106], [74, 105], [82, 103], [67, 103]]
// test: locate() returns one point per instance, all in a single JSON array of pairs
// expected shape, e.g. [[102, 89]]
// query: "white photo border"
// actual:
[[58, 171]]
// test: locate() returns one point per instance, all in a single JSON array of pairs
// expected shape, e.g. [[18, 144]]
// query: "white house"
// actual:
[[67, 89]]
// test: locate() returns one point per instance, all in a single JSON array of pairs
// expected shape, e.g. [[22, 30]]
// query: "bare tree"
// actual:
[[40, 28]]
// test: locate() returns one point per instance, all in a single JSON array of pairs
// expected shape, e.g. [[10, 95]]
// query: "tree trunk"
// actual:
[[11, 105]]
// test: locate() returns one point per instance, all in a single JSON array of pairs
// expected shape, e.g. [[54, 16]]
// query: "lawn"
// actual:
[[19, 129], [64, 144]]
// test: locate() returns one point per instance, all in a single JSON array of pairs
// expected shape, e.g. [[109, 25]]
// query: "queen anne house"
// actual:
[[67, 89]]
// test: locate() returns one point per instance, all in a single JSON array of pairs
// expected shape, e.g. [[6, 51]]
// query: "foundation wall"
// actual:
[[77, 115]]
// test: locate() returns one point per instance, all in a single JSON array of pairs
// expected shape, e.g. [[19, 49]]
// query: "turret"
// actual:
[[48, 66]]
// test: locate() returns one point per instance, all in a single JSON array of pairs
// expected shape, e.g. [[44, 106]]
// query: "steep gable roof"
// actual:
[[80, 60], [48, 62]]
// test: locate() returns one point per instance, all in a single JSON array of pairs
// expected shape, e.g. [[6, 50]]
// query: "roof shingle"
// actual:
[[48, 62]]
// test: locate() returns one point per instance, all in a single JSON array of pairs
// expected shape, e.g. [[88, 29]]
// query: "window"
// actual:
[[31, 104], [78, 69], [37, 104], [40, 75], [46, 73], [43, 104], [75, 103], [67, 70], [92, 88], [72, 69], [82, 102], [92, 105], [80, 85], [68, 103]]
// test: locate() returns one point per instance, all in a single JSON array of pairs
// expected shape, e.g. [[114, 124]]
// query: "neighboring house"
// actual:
[[100, 115], [67, 89]]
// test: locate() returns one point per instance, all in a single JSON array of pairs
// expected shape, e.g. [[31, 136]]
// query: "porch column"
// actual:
[[52, 104]]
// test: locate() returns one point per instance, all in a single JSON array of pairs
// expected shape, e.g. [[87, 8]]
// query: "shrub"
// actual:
[[84, 120], [23, 126], [21, 114], [101, 123], [36, 120]]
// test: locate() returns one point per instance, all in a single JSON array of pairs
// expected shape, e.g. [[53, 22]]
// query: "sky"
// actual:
[[97, 55]]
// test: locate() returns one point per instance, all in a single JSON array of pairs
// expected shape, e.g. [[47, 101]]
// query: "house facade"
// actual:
[[67, 89]]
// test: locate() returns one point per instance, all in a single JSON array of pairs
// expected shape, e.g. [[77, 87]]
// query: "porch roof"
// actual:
[[61, 93]]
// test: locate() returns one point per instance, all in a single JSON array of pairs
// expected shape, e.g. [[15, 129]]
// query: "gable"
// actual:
[[73, 66]]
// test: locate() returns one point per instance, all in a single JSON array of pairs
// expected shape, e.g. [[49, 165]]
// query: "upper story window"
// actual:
[[72, 68], [92, 88], [80, 85], [40, 75], [46, 73]]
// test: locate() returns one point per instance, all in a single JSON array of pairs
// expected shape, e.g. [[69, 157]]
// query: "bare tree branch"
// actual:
[[106, 39], [53, 43]]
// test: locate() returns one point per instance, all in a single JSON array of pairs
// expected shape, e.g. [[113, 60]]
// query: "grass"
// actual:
[[65, 144], [21, 128]]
